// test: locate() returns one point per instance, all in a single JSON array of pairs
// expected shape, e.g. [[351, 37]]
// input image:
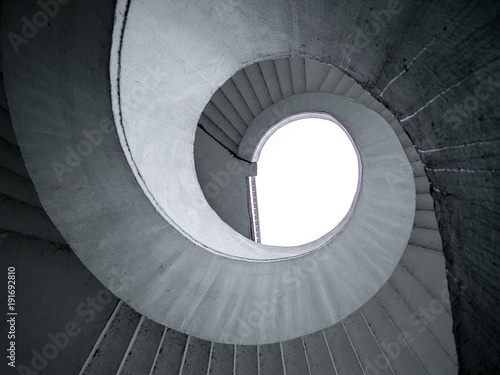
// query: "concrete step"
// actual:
[[3, 97], [6, 129], [392, 342], [270, 359], [426, 220], [157, 351], [221, 137], [10, 158], [246, 90], [342, 351], [169, 357], [422, 185], [130, 346], [427, 238], [424, 202], [108, 353], [234, 96], [229, 111], [368, 350], [354, 92], [427, 267], [298, 69], [425, 347], [319, 359], [196, 357], [245, 360], [316, 74], [432, 313], [221, 359], [294, 358], [270, 75], [285, 76], [366, 99], [218, 118], [358, 345], [141, 354], [377, 107], [396, 126], [27, 220], [418, 169], [411, 152], [18, 187], [388, 116], [344, 85], [256, 78], [405, 140], [331, 80]]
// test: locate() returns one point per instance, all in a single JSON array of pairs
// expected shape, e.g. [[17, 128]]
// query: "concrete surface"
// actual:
[[444, 47], [223, 179], [159, 261]]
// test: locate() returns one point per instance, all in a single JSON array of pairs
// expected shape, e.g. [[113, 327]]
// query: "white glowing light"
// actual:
[[307, 180]]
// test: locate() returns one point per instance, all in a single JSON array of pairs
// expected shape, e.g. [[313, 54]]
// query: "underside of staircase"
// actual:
[[408, 327]]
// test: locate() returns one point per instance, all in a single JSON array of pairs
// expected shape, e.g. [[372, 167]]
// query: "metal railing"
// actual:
[[254, 209]]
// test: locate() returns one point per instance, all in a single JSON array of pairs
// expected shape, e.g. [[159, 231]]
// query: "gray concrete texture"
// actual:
[[157, 255], [223, 180], [458, 144]]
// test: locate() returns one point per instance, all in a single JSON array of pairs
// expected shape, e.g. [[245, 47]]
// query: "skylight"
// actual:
[[307, 180]]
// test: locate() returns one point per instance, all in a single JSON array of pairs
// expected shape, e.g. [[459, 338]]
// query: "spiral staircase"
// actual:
[[405, 328]]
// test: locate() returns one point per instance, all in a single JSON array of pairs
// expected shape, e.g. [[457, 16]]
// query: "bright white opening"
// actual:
[[306, 181]]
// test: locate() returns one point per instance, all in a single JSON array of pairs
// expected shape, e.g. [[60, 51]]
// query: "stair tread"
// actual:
[[285, 76], [272, 81], [331, 80], [234, 96], [318, 354], [246, 360], [316, 73], [170, 356], [270, 362], [394, 342], [246, 90], [259, 86], [144, 349], [297, 67], [229, 111], [294, 357], [110, 352]]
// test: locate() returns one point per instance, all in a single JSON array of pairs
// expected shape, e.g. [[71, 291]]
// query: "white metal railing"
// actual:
[[254, 210]]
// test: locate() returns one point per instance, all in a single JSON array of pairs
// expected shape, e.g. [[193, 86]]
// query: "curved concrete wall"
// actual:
[[97, 221], [173, 281], [458, 147], [223, 179]]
